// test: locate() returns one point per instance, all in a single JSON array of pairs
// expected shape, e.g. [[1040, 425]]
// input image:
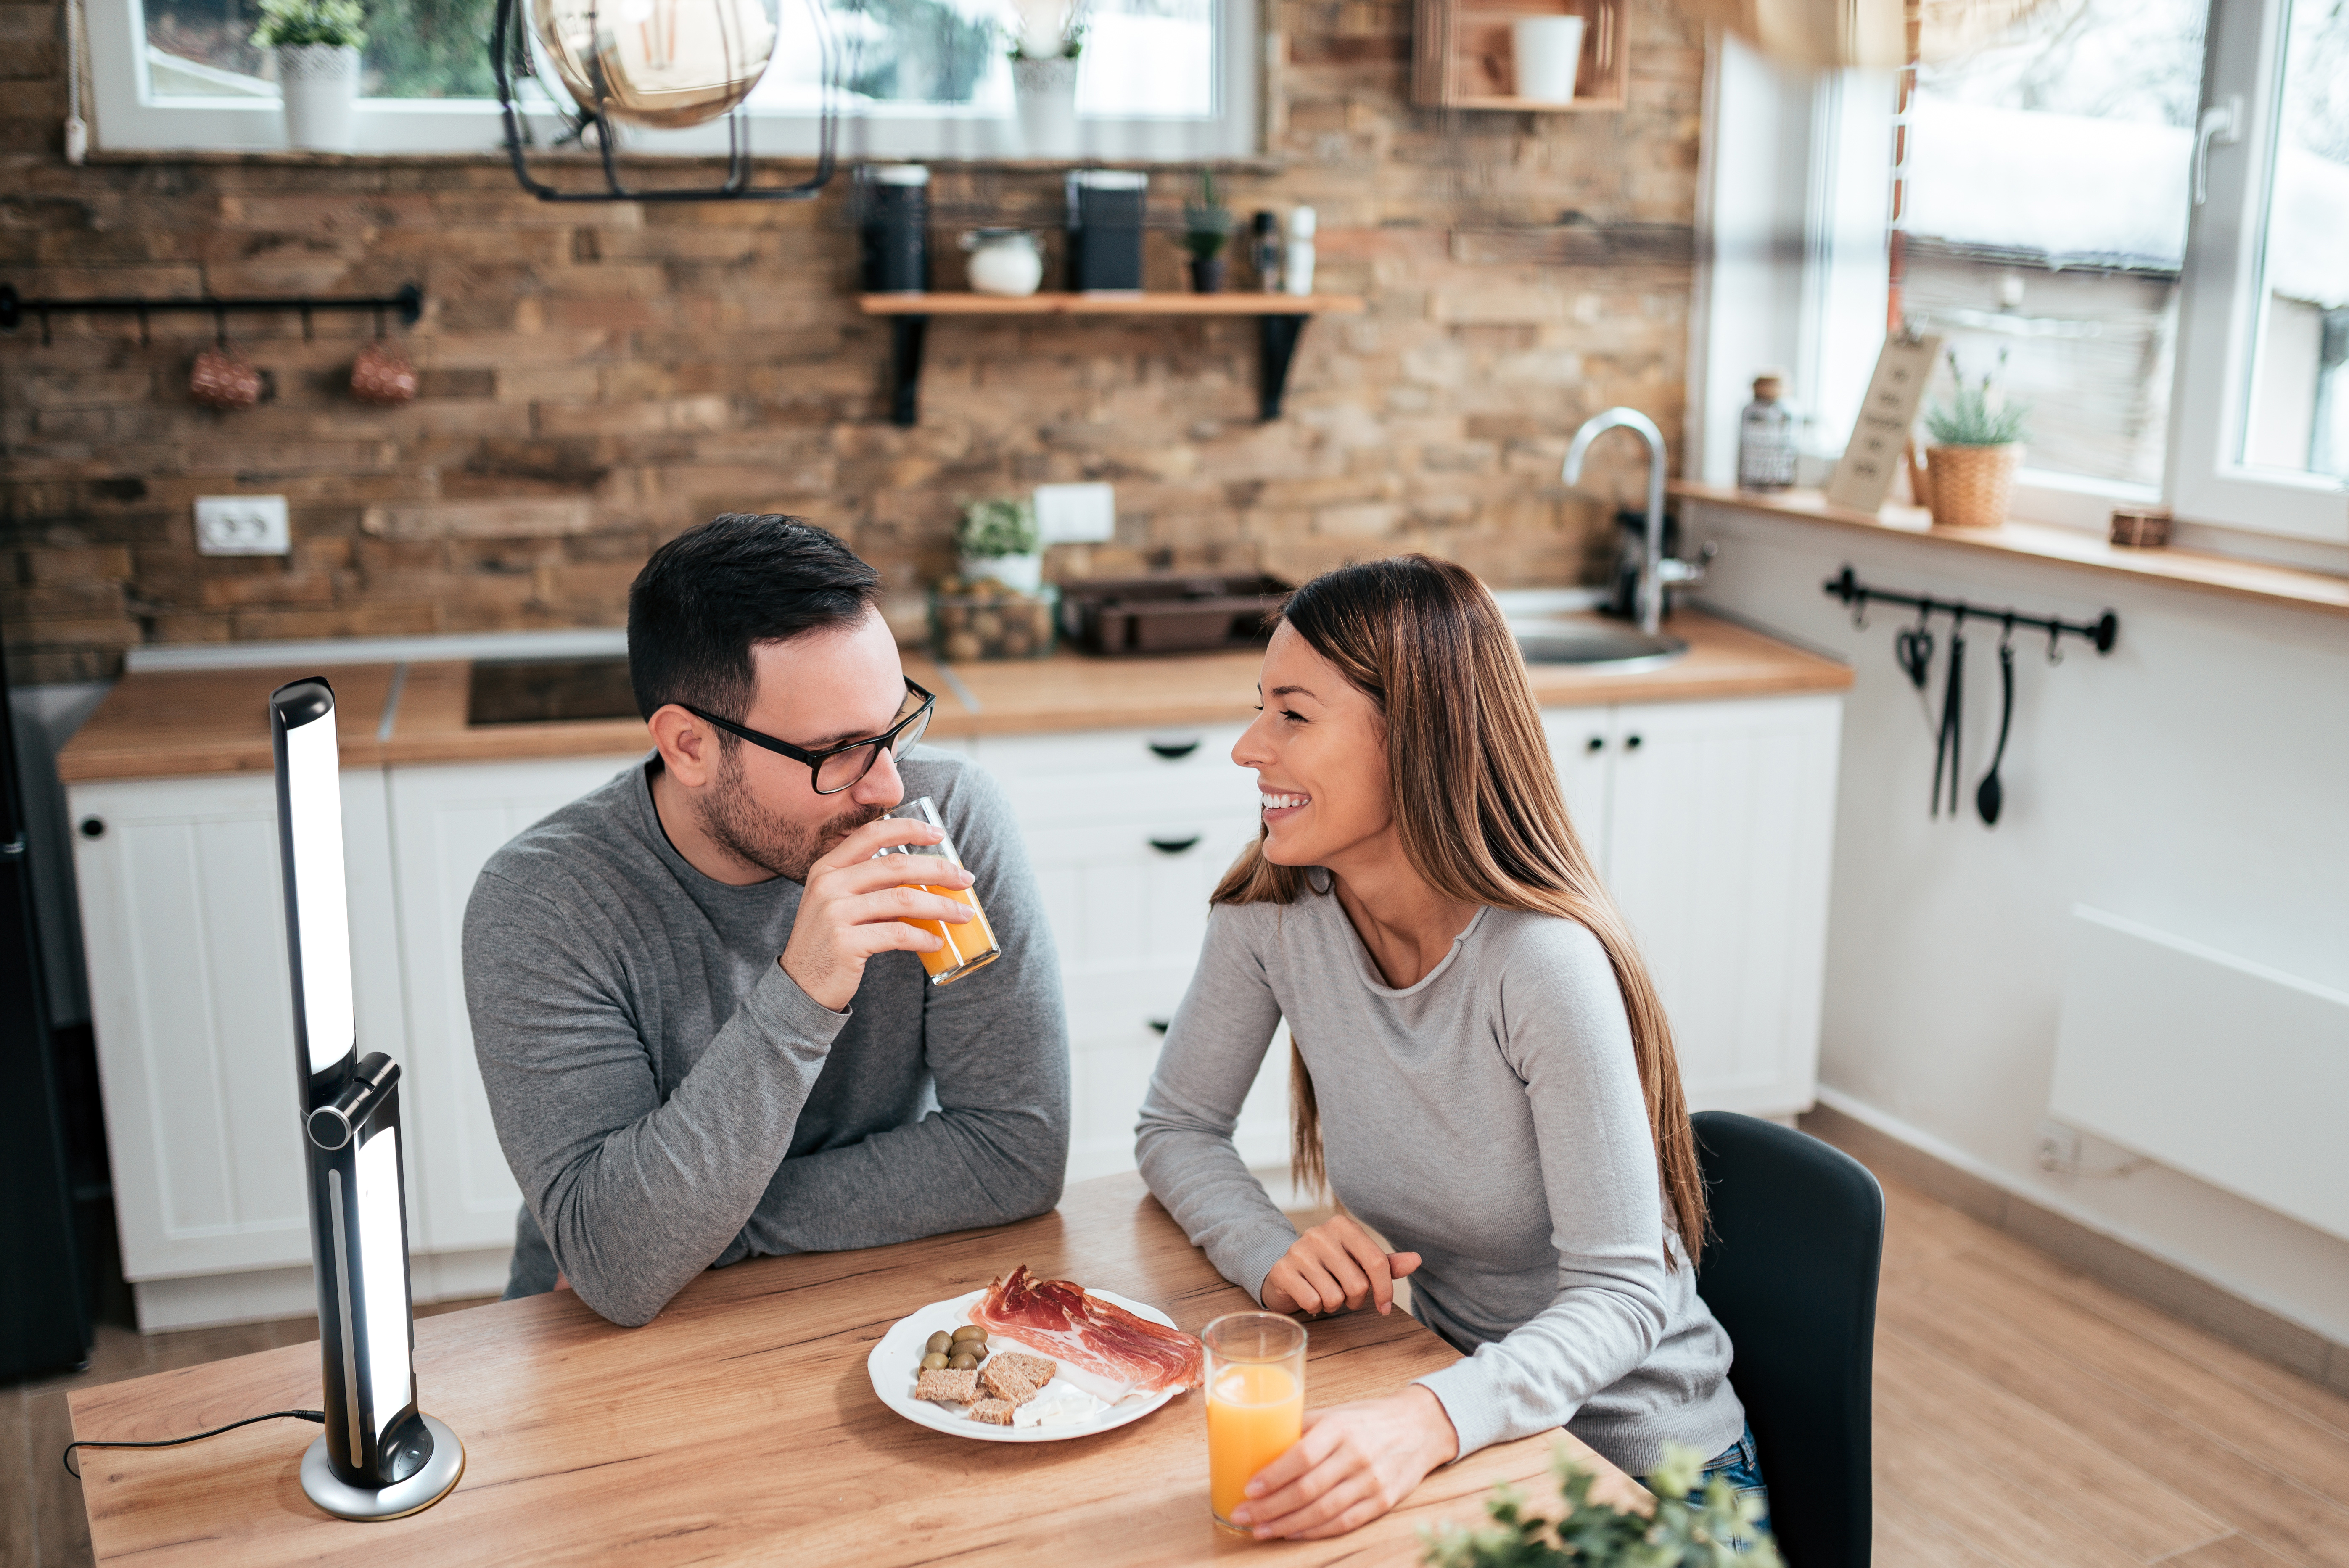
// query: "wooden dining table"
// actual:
[[740, 1425]]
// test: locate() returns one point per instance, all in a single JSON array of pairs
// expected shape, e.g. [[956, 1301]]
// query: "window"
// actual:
[[2264, 426], [1157, 81], [2196, 352], [2047, 218]]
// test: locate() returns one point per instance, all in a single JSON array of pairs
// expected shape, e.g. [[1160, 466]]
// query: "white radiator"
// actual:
[[2210, 1064]]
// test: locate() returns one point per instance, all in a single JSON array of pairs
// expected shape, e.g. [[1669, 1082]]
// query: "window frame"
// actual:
[[1773, 180], [130, 117], [2219, 310]]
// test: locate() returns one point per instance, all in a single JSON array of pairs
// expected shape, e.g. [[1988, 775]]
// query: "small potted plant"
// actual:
[[1206, 229], [1045, 45], [1721, 1531], [998, 538], [1976, 444], [316, 43]]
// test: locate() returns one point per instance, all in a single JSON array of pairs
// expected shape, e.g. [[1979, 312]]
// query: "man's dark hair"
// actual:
[[712, 593]]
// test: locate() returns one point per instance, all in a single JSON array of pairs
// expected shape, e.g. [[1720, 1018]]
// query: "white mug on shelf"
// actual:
[[1549, 51]]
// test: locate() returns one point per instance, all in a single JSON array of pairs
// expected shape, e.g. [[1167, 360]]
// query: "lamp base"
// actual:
[[419, 1492]]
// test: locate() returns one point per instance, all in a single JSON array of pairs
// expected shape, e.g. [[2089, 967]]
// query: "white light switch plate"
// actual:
[[1076, 514], [242, 525]]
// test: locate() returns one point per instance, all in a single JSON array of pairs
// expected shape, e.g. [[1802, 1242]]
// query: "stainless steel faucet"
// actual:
[[1654, 570]]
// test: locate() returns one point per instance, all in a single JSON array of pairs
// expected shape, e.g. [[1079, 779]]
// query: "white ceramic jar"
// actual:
[[1003, 261]]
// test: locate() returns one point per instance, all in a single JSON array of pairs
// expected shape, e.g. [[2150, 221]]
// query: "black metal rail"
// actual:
[[1847, 586], [408, 305]]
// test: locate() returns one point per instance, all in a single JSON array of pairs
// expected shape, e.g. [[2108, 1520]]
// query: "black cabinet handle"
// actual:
[[93, 827], [1159, 1025], [1174, 751], [1175, 846], [1596, 743], [1630, 743]]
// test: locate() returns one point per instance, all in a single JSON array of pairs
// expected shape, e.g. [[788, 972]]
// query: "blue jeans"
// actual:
[[1739, 1464]]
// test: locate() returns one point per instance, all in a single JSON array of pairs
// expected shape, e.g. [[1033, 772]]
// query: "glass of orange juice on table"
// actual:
[[969, 946], [1256, 1401]]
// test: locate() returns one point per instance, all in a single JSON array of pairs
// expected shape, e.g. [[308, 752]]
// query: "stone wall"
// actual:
[[595, 378]]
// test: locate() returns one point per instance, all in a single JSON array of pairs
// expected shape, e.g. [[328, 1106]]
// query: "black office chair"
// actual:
[[1798, 1231]]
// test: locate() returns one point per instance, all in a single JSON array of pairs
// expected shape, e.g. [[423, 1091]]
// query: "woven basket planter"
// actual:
[[1971, 486]]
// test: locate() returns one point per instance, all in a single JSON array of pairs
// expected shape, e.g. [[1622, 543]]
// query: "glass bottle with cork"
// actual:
[[1766, 431]]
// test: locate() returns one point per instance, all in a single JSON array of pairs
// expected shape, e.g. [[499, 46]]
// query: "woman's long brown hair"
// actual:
[[1477, 803]]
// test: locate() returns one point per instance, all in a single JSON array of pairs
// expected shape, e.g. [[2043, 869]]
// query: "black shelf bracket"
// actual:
[[1846, 585], [1277, 336], [408, 305]]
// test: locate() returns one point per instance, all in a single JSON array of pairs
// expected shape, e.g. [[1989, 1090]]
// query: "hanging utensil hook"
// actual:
[[2055, 645], [2006, 634]]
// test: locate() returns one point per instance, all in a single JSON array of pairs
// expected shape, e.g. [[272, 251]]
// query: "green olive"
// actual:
[[935, 1361], [970, 1331], [964, 1363], [940, 1342]]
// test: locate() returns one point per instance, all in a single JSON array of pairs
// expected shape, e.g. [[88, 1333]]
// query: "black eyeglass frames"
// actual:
[[840, 768]]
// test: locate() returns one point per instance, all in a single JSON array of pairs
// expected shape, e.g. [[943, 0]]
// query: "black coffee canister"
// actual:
[[895, 200], [1106, 229]]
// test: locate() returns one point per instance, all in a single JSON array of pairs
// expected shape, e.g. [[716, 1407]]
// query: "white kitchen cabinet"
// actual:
[[183, 920], [446, 821], [1712, 824], [1129, 831]]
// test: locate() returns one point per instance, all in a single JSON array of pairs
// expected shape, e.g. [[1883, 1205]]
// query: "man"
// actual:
[[700, 1016]]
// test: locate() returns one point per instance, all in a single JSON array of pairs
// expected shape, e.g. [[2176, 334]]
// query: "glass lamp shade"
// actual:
[[666, 63]]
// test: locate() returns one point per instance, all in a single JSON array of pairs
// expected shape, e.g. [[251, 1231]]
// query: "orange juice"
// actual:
[[968, 946], [1255, 1411]]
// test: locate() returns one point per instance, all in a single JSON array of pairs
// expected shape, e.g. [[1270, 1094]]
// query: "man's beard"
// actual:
[[735, 824]]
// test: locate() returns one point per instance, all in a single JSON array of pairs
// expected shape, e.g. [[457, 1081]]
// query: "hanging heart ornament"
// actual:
[[223, 378], [1913, 646], [381, 374]]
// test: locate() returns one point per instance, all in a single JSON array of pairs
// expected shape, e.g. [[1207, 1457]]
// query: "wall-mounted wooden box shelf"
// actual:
[[1280, 321], [1463, 57]]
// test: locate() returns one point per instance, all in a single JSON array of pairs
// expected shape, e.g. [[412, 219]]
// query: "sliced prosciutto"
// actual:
[[1060, 1319]]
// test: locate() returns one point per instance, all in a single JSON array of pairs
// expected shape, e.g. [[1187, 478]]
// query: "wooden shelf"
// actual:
[[1463, 56], [1280, 320], [1258, 304]]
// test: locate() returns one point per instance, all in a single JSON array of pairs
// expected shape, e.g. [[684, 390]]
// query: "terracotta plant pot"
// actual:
[[1971, 486]]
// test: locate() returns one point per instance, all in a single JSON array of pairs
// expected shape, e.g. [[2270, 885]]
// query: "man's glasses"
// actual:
[[840, 768]]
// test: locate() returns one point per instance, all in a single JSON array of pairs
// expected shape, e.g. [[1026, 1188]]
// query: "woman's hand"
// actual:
[[1354, 1462], [1335, 1265]]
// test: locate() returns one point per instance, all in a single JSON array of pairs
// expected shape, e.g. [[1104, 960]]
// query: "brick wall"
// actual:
[[596, 378]]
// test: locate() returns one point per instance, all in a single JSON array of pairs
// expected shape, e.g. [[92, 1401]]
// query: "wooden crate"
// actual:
[[1464, 58]]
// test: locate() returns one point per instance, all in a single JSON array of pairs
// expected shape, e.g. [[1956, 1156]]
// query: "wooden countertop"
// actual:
[[158, 725], [740, 1426]]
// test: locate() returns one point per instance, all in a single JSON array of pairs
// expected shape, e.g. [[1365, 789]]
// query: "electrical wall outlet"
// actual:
[[242, 525], [2059, 1149], [1076, 514]]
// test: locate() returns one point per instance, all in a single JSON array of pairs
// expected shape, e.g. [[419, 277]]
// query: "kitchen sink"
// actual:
[[548, 691], [1594, 641]]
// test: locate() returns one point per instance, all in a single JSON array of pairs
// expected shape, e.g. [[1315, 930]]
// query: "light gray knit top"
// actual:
[[1489, 1119]]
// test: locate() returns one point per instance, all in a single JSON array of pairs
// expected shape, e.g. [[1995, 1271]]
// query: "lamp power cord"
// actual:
[[66, 1459]]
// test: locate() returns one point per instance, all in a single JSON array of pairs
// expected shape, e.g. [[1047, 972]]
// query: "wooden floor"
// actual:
[[2025, 1417]]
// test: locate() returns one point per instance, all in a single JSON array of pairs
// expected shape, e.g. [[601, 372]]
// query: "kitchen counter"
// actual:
[[168, 723]]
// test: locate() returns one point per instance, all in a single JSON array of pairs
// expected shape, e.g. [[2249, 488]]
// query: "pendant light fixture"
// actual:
[[661, 64], [381, 1457]]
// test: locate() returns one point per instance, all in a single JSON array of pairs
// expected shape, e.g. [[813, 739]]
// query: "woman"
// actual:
[[1481, 1065]]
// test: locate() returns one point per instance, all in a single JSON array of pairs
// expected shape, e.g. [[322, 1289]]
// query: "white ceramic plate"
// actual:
[[895, 1360]]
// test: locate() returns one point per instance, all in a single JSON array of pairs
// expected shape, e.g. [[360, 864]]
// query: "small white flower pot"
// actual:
[[1046, 92], [1025, 573], [321, 87]]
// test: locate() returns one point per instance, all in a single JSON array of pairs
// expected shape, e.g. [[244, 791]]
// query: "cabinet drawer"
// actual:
[[1119, 774], [1110, 1074]]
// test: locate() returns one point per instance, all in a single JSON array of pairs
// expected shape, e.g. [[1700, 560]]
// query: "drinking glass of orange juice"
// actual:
[[1256, 1401], [972, 945]]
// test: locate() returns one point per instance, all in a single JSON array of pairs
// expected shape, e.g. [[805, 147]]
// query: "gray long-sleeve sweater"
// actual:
[[1489, 1119], [671, 1101]]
